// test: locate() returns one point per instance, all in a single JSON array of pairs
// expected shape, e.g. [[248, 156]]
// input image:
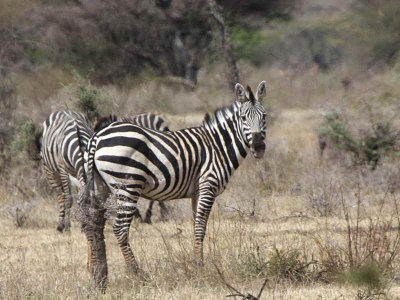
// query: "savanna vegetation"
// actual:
[[317, 218]]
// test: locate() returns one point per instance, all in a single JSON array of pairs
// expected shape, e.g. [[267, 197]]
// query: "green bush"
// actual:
[[369, 148], [334, 128], [288, 264], [253, 263], [298, 44], [91, 102], [24, 139], [249, 43], [368, 275], [380, 27]]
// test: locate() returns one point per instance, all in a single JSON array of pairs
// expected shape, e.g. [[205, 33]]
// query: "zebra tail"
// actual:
[[35, 145], [78, 132], [87, 194]]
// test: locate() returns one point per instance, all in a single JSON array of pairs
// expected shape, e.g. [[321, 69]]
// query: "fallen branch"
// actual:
[[237, 293]]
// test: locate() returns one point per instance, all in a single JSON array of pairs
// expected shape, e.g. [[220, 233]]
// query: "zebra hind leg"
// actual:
[[55, 182], [164, 211], [125, 213], [149, 213], [67, 200]]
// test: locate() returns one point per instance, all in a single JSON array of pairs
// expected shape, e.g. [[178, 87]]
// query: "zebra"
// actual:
[[147, 120], [62, 145], [63, 142], [132, 162]]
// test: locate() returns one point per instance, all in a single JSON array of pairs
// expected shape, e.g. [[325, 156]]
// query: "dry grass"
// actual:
[[37, 262], [265, 210]]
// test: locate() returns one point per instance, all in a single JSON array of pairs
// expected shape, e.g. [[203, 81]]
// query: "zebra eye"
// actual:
[[243, 117]]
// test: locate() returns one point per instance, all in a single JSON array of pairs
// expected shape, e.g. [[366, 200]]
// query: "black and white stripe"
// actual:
[[147, 120], [65, 137], [63, 143], [192, 163]]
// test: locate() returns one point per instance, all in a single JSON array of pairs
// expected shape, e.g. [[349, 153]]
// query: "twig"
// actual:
[[226, 283], [237, 293], [300, 215]]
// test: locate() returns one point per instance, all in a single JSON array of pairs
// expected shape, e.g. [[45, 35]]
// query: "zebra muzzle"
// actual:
[[258, 145]]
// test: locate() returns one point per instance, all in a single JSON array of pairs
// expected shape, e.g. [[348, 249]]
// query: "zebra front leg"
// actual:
[[126, 210], [204, 205]]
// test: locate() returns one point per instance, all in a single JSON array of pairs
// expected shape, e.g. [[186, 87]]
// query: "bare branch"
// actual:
[[237, 293]]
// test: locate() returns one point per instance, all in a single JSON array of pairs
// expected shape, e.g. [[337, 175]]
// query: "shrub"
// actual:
[[92, 102], [322, 199], [371, 241], [381, 25], [379, 140], [299, 45], [24, 142], [248, 43], [291, 265], [253, 262], [88, 99], [367, 274], [335, 129]]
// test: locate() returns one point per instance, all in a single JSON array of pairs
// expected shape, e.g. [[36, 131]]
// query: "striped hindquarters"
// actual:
[[64, 140], [65, 137]]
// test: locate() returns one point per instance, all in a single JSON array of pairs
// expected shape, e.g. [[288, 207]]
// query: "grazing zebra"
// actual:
[[64, 139], [63, 142], [192, 163], [147, 120]]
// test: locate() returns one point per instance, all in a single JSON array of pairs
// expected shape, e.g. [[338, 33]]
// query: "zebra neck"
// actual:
[[224, 130]]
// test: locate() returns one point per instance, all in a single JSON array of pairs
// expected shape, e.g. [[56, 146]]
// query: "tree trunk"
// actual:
[[216, 14]]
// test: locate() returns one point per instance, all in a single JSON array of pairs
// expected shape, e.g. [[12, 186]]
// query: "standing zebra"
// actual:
[[63, 142], [145, 120], [196, 162]]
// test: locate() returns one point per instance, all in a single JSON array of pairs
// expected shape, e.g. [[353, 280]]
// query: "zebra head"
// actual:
[[252, 115]]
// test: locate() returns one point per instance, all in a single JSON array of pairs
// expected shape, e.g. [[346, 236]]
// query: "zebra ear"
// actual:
[[261, 90], [240, 92]]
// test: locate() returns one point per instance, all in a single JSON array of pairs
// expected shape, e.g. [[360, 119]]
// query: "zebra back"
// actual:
[[104, 121], [147, 120], [62, 132]]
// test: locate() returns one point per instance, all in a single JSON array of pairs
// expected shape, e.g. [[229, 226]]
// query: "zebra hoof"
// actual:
[[90, 268], [60, 228], [67, 228], [200, 263], [141, 275], [147, 220]]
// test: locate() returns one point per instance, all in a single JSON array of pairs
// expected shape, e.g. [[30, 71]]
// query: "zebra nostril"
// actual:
[[258, 138], [259, 147]]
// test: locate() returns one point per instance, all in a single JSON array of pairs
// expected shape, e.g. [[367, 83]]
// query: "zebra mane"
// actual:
[[221, 114], [104, 121]]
